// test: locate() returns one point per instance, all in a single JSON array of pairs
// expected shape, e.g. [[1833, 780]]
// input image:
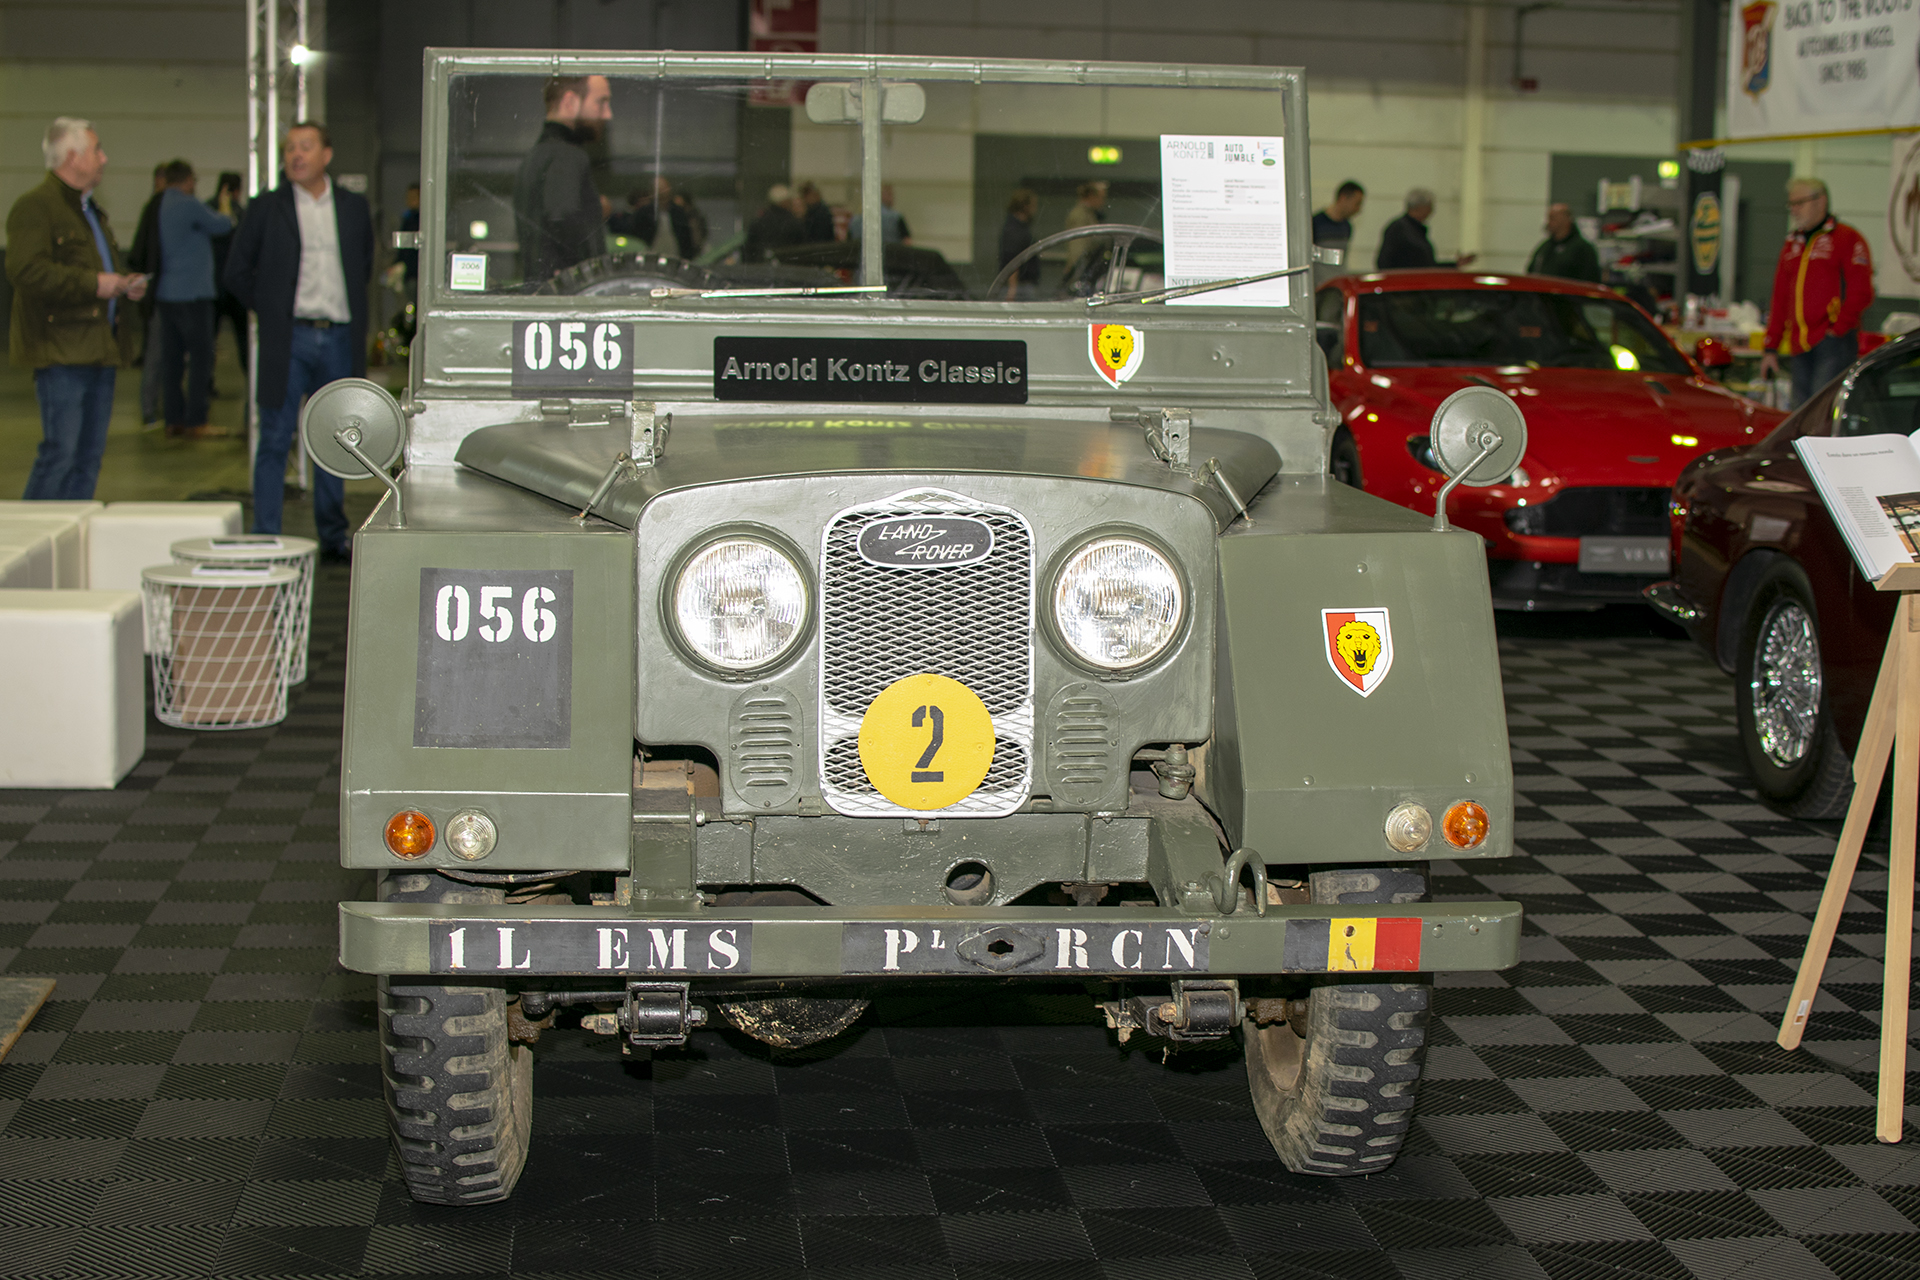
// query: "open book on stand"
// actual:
[[1871, 488]]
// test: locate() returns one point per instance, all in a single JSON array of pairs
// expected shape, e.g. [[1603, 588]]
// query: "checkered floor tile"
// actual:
[[202, 1095]]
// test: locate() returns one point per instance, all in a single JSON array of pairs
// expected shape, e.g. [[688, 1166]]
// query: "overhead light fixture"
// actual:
[[477, 230], [301, 56], [1669, 168], [1104, 155]]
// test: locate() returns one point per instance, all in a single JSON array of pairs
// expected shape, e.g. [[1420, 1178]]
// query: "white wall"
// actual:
[[158, 78]]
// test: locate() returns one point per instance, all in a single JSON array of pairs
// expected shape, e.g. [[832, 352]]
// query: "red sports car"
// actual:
[[1613, 410]]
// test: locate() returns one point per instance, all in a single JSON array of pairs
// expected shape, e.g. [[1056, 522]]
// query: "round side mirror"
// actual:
[[1478, 436], [357, 413]]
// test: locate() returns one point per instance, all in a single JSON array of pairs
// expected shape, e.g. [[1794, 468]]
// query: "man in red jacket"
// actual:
[[1823, 283]]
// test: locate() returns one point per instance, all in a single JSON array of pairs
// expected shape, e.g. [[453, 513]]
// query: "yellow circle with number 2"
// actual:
[[926, 742]]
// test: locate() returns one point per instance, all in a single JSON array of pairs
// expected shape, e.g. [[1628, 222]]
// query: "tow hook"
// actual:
[[1193, 1013]]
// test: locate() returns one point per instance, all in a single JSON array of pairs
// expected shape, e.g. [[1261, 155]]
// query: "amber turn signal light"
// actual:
[[410, 833], [1465, 825]]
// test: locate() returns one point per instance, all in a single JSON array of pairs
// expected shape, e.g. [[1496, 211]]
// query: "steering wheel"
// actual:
[[1125, 233]]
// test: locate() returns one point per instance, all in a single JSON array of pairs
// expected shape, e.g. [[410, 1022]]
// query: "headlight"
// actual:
[[740, 604], [1118, 603]]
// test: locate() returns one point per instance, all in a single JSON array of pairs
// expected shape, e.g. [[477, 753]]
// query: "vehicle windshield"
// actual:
[[620, 185], [1494, 327], [1884, 400]]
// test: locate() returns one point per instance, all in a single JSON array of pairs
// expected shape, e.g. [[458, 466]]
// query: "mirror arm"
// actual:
[[348, 438], [1489, 440]]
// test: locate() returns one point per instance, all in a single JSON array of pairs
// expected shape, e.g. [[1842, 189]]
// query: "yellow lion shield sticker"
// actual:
[[1359, 646], [1116, 350]]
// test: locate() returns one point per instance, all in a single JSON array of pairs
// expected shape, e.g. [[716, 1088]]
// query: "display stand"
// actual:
[[1892, 727]]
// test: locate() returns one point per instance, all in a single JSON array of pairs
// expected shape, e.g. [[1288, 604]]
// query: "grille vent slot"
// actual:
[[970, 622], [1080, 744], [764, 740]]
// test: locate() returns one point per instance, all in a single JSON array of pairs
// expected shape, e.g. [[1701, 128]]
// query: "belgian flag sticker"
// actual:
[[1356, 944]]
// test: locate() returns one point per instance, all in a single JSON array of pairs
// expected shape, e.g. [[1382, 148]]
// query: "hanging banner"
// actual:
[[1822, 66], [1705, 227]]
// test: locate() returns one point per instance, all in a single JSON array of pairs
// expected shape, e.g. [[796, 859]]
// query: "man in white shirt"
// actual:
[[301, 262]]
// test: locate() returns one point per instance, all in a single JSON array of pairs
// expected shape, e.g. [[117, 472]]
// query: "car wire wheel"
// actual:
[[1785, 688]]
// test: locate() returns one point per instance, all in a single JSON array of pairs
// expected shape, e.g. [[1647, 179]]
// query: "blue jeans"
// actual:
[[76, 400], [320, 356], [1829, 358]]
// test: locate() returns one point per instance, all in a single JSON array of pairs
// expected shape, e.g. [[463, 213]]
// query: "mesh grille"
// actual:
[[972, 623]]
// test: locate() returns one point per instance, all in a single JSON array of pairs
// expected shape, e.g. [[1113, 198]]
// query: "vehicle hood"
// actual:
[[568, 463], [1597, 426]]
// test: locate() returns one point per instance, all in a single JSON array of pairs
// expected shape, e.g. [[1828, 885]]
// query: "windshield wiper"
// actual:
[[795, 292], [1163, 295]]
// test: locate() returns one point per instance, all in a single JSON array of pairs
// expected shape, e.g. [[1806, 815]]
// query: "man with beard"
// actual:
[[558, 214]]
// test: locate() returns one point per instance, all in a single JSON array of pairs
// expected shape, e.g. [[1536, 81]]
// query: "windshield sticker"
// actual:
[[1359, 646], [467, 272], [870, 370], [1226, 216], [594, 356], [1116, 350]]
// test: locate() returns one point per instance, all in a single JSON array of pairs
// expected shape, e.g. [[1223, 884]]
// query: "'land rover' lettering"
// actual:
[[925, 542]]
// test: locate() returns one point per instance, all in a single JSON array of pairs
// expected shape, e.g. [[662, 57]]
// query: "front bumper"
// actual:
[[1531, 584], [826, 943]]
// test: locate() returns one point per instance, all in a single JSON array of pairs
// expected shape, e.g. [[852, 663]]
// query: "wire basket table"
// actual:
[[265, 549], [220, 638]]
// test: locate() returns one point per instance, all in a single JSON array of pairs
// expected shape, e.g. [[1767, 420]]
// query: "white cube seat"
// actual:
[[29, 557], [74, 706], [35, 507], [128, 536], [69, 543]]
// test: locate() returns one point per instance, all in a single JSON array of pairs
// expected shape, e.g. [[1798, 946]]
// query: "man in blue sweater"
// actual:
[[186, 293]]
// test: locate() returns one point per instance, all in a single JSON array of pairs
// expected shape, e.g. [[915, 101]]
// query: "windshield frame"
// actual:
[[443, 66]]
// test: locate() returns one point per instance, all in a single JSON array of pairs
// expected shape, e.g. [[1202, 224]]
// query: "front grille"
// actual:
[[1576, 513], [970, 622]]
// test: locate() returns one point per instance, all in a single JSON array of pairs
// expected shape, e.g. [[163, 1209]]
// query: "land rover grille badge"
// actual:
[[925, 542]]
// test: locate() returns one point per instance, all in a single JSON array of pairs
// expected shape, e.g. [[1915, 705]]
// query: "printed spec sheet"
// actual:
[[1224, 210]]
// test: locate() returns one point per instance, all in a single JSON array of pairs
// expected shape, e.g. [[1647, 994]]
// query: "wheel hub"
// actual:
[[1785, 690]]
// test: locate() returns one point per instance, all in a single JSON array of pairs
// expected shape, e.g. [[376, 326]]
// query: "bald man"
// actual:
[[1565, 252]]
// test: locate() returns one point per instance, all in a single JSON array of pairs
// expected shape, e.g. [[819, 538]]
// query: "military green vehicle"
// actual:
[[754, 628]]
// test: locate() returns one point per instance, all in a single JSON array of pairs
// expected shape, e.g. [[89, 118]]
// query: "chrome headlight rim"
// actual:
[[775, 541], [1056, 568]]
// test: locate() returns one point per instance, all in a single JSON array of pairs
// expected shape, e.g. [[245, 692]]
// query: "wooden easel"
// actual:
[[1892, 727]]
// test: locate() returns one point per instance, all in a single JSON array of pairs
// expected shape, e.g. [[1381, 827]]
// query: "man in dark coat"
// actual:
[[558, 214], [144, 256], [301, 261], [816, 215], [1405, 244], [1565, 252], [641, 220], [776, 227], [68, 289]]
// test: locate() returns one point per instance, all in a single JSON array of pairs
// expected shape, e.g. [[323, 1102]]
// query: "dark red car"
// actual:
[[1764, 582], [1613, 408]]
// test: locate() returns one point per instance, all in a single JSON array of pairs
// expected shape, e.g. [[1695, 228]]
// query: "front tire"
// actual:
[[1334, 1085], [459, 1092], [1786, 727]]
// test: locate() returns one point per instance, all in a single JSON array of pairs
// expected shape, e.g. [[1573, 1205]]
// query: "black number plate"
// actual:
[[592, 356], [496, 658], [870, 370]]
